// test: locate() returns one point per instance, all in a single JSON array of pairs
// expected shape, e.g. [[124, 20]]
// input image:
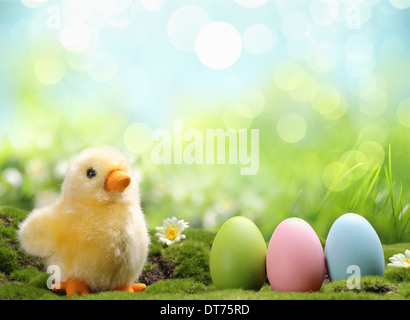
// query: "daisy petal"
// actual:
[[171, 230]]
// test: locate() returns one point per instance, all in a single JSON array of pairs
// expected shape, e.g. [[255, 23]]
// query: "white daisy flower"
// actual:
[[400, 260], [171, 230]]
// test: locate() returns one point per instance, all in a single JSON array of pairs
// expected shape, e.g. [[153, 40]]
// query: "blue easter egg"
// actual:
[[352, 242]]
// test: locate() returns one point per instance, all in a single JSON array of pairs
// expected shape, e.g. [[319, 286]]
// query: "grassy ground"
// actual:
[[180, 271]]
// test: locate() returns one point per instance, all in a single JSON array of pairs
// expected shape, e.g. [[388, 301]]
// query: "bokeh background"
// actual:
[[325, 82]]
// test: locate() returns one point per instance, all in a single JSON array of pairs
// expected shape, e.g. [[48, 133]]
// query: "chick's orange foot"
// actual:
[[135, 287], [71, 287]]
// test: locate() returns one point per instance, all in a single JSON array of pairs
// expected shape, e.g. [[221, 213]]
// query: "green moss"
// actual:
[[39, 280], [192, 260], [26, 275], [404, 290], [201, 236], [11, 256], [8, 232], [397, 275], [149, 266], [394, 274], [3, 278], [23, 276], [8, 258], [176, 286], [15, 215], [190, 256], [391, 249], [155, 248], [21, 291], [373, 284]]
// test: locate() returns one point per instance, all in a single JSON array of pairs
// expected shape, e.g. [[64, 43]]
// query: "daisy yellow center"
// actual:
[[407, 260], [171, 233]]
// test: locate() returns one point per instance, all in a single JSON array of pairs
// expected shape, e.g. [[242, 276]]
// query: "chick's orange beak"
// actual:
[[117, 180]]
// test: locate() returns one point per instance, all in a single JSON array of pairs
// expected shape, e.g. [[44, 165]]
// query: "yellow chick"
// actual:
[[95, 232]]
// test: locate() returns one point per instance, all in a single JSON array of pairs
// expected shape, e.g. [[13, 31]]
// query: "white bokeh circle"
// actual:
[[137, 137], [321, 12], [400, 4], [291, 127], [76, 36], [184, 26], [359, 48], [403, 113], [112, 7], [326, 57], [296, 26], [153, 5], [259, 39], [105, 67], [218, 45], [251, 3]]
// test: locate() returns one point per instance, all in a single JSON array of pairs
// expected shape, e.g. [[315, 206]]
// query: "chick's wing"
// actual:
[[38, 232]]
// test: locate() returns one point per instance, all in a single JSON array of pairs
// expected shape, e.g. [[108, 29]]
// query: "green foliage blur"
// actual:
[[318, 180], [332, 112]]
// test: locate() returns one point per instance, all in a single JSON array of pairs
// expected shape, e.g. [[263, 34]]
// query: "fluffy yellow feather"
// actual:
[[95, 232]]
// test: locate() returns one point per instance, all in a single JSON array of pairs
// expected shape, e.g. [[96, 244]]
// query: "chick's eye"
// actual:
[[91, 173]]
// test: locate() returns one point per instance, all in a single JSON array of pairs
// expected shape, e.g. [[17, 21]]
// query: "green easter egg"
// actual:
[[238, 256]]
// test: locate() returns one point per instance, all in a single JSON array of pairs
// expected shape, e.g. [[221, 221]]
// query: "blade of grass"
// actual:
[[334, 185], [404, 217], [376, 175], [355, 198], [367, 185], [336, 180], [390, 197], [399, 206]]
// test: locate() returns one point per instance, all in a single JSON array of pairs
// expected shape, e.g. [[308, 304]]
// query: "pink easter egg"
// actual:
[[295, 260]]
